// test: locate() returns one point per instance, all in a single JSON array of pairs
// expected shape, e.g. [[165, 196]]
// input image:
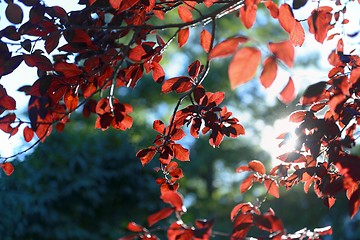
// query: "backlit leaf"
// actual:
[[160, 215], [174, 199], [8, 168], [28, 134], [146, 155], [183, 36], [181, 153], [319, 22], [298, 116], [243, 66], [273, 8], [185, 14], [115, 3], [269, 72], [246, 183], [286, 18], [134, 227], [226, 47], [257, 166], [71, 101], [205, 40], [297, 34], [287, 95], [272, 187], [284, 51], [248, 13], [159, 126]]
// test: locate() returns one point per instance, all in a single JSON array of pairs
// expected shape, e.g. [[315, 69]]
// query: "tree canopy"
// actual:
[[92, 61]]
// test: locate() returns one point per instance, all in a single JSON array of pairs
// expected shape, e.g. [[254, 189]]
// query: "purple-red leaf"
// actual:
[[243, 66]]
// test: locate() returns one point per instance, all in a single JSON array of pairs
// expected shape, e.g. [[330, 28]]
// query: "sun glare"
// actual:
[[270, 143]]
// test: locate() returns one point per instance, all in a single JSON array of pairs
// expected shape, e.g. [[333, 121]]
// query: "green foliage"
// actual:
[[80, 185]]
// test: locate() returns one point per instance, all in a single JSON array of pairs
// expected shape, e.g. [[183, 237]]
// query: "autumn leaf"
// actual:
[[8, 168], [297, 34], [183, 36], [134, 227], [28, 134], [174, 199], [205, 40], [269, 72], [243, 66], [185, 14], [180, 152], [273, 8], [287, 95], [286, 17], [226, 47], [246, 183], [284, 51], [248, 13], [115, 3], [319, 22], [68, 69], [272, 187], [71, 101], [257, 166], [160, 215]]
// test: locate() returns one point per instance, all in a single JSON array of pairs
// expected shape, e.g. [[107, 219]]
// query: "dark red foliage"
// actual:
[[111, 44]]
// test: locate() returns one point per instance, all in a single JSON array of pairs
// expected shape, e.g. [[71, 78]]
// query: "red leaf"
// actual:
[[298, 116], [160, 215], [39, 61], [273, 8], [52, 41], [248, 13], [243, 169], [7, 102], [181, 153], [205, 40], [14, 13], [354, 203], [177, 84], [68, 69], [125, 5], [71, 101], [146, 155], [287, 95], [319, 22], [8, 168], [226, 47], [174, 199], [257, 166], [134, 227], [284, 51], [286, 17], [246, 183], [269, 72], [297, 34], [241, 207], [272, 187], [158, 73], [159, 126], [243, 66], [28, 134], [115, 3], [183, 36], [185, 14]]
